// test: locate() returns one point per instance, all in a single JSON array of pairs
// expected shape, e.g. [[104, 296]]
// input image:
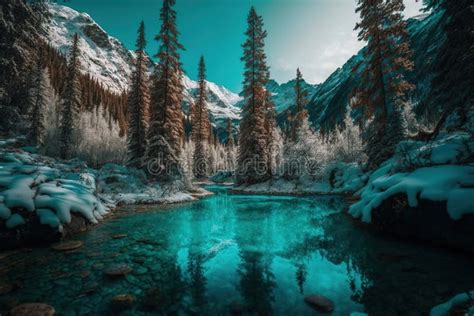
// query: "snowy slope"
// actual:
[[104, 57], [109, 61], [283, 95], [329, 103], [221, 102]]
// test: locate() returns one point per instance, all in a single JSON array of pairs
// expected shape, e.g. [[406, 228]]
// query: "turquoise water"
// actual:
[[237, 254]]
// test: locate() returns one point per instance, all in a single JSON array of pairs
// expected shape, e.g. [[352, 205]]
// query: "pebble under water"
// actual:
[[230, 254]]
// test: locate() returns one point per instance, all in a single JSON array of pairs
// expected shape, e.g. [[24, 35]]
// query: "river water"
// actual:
[[232, 254]]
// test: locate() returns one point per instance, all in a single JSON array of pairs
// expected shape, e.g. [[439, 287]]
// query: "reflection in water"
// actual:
[[198, 281], [243, 254], [300, 275], [256, 283]]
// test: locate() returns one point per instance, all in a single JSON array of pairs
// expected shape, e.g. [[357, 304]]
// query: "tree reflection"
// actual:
[[198, 281], [257, 283], [301, 274], [256, 243]]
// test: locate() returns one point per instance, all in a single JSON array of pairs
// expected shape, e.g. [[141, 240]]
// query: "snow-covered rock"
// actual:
[[29, 186], [436, 171]]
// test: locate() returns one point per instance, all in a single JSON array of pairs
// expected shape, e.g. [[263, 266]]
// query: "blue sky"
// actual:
[[315, 35]]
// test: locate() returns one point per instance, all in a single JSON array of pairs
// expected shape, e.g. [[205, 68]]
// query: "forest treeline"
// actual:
[[148, 125]]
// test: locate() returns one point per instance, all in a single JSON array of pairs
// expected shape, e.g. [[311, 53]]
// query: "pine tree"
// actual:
[[71, 101], [254, 126], [300, 101], [387, 58], [40, 95], [201, 125], [454, 67], [166, 131], [138, 104]]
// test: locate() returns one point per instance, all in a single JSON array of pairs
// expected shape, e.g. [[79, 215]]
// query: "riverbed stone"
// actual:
[[90, 288], [119, 236], [33, 309], [122, 301], [5, 288], [118, 270], [67, 245], [85, 274], [320, 303]]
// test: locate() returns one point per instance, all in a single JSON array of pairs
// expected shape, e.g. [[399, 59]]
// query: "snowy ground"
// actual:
[[347, 180], [53, 190]]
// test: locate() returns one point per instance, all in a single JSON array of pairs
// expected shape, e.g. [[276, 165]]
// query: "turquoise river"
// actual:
[[233, 254]]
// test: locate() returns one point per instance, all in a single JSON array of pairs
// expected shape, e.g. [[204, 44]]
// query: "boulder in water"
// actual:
[[118, 270], [122, 301], [5, 288], [119, 236], [67, 245], [33, 309], [320, 303]]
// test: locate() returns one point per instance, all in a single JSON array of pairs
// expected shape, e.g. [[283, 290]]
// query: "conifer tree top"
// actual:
[[141, 41]]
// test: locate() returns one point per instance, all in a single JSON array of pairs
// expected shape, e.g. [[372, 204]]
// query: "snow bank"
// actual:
[[151, 196], [460, 299], [451, 183], [129, 186], [341, 178], [437, 171]]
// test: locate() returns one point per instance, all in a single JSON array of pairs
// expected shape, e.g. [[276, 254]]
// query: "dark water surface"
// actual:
[[227, 254]]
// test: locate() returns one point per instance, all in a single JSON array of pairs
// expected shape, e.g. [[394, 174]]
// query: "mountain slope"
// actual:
[[110, 62], [283, 95], [329, 103]]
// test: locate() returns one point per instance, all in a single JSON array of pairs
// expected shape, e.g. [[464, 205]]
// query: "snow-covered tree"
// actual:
[[201, 125], [348, 144], [166, 130], [276, 151], [230, 147], [187, 162], [138, 104], [39, 97], [71, 101], [387, 59], [99, 141], [255, 124], [306, 158]]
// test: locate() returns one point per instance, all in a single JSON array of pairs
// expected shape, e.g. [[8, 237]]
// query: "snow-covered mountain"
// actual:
[[110, 62], [283, 95], [330, 100]]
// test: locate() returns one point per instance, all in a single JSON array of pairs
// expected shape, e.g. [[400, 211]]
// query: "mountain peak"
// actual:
[[106, 59]]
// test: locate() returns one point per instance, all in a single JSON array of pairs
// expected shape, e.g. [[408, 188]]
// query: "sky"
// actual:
[[315, 35]]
